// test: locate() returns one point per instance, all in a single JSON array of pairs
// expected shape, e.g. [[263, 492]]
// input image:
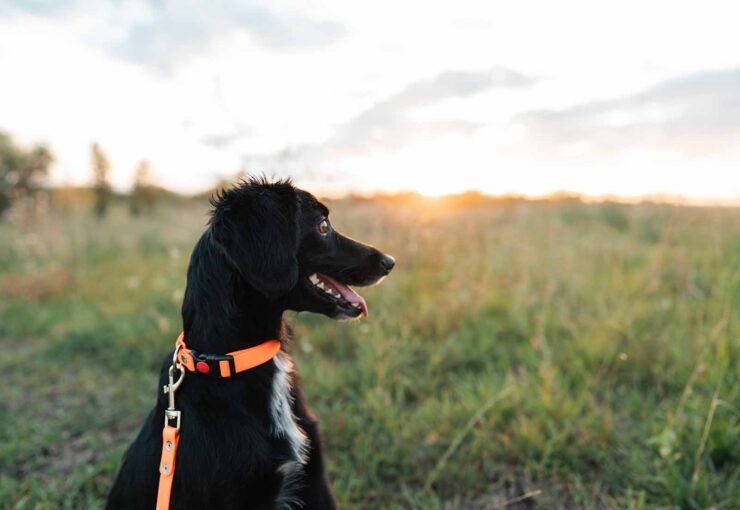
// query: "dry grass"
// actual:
[[553, 355]]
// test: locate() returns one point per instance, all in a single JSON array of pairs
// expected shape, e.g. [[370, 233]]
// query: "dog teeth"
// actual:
[[319, 284], [356, 305]]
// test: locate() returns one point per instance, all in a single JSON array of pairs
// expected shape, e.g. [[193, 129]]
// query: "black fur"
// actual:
[[250, 266]]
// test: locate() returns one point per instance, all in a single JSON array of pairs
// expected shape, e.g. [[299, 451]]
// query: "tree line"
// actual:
[[23, 172]]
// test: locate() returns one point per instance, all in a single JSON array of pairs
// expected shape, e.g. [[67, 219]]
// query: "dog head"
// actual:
[[281, 242]]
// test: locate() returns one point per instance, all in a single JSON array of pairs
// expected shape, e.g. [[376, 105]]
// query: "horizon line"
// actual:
[[659, 198]]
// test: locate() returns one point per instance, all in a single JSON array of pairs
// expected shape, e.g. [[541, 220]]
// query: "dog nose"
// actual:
[[387, 262]]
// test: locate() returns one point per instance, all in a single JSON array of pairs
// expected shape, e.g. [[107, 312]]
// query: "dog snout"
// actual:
[[387, 263]]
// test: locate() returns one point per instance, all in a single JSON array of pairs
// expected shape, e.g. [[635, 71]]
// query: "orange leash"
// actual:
[[216, 365], [170, 440]]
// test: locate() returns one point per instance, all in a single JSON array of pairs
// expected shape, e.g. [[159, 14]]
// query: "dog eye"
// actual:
[[323, 227]]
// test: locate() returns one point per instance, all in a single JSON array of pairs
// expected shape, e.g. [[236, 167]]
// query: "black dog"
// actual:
[[249, 441]]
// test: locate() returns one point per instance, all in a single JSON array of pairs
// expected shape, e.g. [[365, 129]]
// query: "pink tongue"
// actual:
[[347, 293]]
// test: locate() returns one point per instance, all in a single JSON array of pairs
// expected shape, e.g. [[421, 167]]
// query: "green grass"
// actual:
[[543, 355]]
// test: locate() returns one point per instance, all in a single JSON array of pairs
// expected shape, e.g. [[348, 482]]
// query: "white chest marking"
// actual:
[[284, 426]]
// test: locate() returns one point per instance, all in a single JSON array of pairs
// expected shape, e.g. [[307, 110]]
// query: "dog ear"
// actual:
[[256, 230]]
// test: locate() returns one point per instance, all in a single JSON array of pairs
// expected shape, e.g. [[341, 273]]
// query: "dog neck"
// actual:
[[221, 312]]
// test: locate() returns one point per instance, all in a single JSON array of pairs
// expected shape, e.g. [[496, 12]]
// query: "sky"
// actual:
[[601, 98]]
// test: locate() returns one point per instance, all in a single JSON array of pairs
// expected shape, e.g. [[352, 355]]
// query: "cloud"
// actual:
[[693, 115], [388, 125], [447, 85], [159, 34], [385, 125], [225, 139]]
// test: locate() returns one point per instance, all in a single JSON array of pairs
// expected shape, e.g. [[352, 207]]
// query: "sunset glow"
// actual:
[[522, 98]]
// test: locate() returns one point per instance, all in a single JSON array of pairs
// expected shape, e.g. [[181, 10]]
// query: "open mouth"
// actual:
[[340, 294]]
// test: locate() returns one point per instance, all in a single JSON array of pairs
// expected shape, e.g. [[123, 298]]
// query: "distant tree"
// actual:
[[100, 167], [144, 194], [20, 170]]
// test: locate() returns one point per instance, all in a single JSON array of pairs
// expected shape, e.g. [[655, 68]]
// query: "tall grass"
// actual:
[[548, 355]]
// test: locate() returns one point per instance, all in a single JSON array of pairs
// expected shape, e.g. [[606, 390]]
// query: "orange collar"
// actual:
[[225, 365]]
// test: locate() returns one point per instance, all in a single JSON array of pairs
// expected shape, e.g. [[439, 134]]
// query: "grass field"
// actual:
[[525, 355]]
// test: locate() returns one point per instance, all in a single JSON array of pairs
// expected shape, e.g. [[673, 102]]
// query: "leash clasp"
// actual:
[[171, 413]]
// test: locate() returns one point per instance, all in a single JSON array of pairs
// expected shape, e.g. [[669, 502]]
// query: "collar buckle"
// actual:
[[211, 364]]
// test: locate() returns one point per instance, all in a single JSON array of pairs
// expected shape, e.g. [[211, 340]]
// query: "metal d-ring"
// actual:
[[178, 346]]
